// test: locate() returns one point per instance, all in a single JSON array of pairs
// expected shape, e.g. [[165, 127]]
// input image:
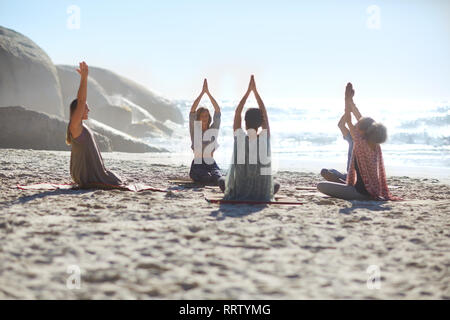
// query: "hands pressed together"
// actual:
[[205, 88], [252, 85], [349, 94]]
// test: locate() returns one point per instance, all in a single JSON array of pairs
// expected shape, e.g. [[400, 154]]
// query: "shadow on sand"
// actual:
[[370, 205], [236, 211], [58, 192]]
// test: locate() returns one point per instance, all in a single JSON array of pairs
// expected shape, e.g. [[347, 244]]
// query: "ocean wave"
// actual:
[[440, 121], [419, 138]]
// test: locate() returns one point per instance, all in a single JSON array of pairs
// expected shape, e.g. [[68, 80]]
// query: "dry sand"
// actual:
[[153, 245]]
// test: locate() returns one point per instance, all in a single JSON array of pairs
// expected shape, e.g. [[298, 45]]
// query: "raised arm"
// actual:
[[192, 113], [355, 111], [238, 113], [76, 118], [349, 92], [341, 125], [197, 101], [262, 107]]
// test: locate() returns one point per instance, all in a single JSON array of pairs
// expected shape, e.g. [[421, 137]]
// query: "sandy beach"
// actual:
[[176, 245]]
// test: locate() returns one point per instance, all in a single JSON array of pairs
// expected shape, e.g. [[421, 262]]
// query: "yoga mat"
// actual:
[[136, 187], [215, 197], [221, 201], [48, 186], [188, 183], [315, 188]]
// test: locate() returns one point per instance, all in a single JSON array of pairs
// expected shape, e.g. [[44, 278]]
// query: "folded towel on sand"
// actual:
[[135, 187]]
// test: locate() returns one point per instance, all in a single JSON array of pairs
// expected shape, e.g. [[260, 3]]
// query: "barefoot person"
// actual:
[[250, 176], [203, 168], [366, 178], [332, 174], [86, 163]]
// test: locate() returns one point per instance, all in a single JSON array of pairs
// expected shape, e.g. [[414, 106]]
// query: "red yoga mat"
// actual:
[[136, 187], [220, 201]]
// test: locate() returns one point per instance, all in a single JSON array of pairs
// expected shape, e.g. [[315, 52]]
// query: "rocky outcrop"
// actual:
[[143, 123], [114, 84], [27, 75], [120, 141], [29, 78], [21, 128]]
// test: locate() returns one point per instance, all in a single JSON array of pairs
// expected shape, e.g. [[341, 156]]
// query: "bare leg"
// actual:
[[341, 191], [333, 175]]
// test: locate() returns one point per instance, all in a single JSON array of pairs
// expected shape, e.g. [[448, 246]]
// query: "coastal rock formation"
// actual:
[[27, 129], [114, 84], [118, 106], [28, 76], [120, 141], [21, 128], [143, 123]]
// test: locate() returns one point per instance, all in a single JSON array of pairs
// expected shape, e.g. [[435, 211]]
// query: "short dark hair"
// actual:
[[253, 118]]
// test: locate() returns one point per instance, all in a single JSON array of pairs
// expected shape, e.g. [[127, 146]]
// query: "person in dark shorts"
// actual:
[[204, 168]]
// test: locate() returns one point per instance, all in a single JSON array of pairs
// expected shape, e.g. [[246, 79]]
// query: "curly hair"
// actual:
[[373, 131]]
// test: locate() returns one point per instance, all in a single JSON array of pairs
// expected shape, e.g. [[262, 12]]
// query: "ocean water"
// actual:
[[306, 131]]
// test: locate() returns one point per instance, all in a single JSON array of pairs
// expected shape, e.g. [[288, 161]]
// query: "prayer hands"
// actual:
[[252, 84], [349, 91], [205, 88]]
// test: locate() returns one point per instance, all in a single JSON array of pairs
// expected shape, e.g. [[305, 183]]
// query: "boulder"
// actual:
[[143, 123], [120, 141], [114, 84], [21, 128], [27, 75], [118, 117], [144, 129]]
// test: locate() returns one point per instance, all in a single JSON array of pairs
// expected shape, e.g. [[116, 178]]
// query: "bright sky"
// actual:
[[296, 49]]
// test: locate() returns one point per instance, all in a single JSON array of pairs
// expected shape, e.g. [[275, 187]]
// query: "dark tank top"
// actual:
[[359, 186]]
